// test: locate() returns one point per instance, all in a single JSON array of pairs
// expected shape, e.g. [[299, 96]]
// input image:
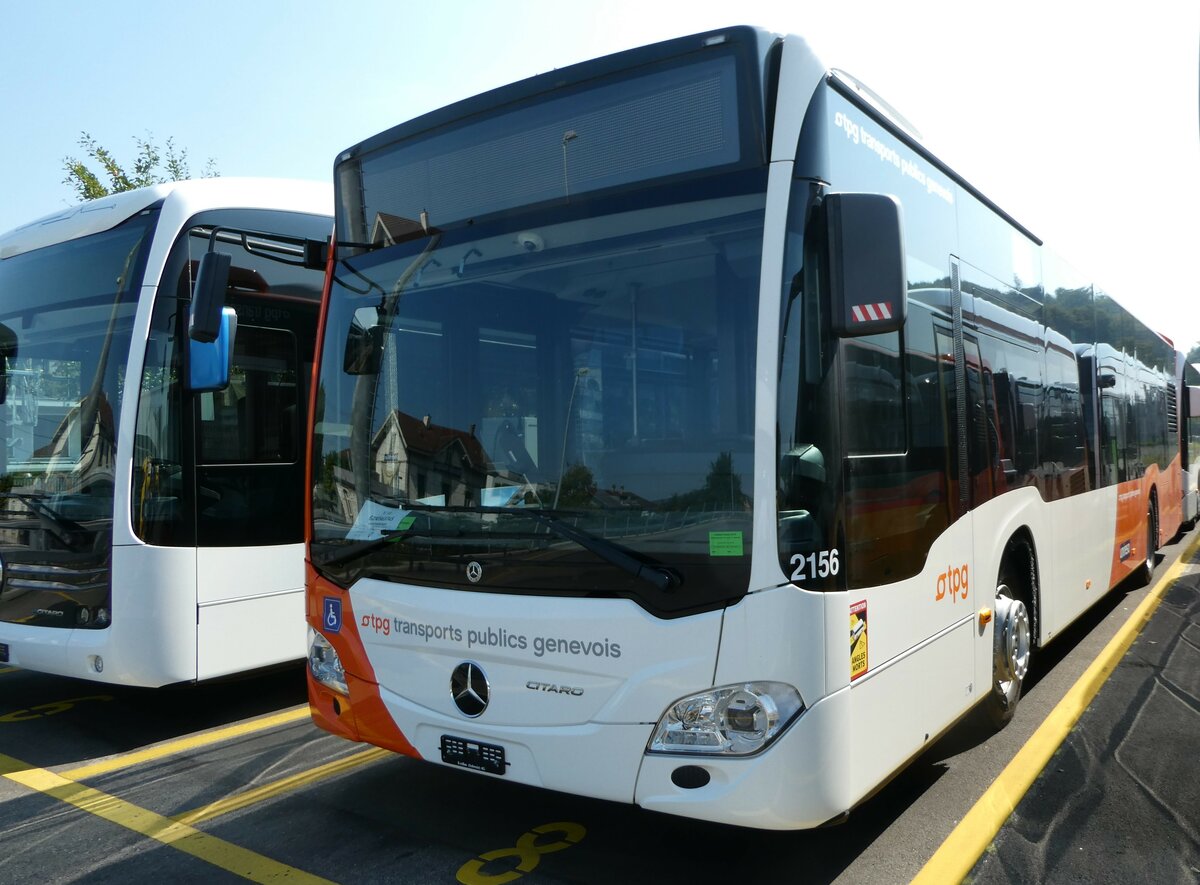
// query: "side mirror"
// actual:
[[209, 362], [1106, 381], [364, 344], [208, 297], [868, 285]]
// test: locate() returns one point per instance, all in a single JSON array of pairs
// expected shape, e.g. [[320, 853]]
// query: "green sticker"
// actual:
[[406, 523], [725, 544]]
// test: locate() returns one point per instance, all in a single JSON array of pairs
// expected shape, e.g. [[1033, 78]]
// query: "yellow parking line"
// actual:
[[967, 842], [276, 788], [115, 763], [237, 860], [4, 670]]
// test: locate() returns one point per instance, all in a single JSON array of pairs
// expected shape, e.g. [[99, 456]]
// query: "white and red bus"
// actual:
[[687, 434], [151, 485]]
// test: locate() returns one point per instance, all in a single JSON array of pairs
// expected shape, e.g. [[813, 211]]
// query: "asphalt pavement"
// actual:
[[1119, 801]]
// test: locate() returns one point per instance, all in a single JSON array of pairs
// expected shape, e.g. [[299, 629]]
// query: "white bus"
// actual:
[[687, 434], [151, 512]]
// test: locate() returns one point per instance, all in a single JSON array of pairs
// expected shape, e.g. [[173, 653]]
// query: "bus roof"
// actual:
[[195, 196]]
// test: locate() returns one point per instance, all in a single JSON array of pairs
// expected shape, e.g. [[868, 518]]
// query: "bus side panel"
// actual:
[[897, 710], [1170, 500], [251, 607], [1129, 538], [907, 651], [152, 639], [1082, 529]]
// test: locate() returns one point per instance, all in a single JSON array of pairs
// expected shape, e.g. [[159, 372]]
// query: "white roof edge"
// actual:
[[196, 194]]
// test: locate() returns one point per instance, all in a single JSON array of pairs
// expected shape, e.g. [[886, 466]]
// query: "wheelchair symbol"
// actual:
[[333, 614]]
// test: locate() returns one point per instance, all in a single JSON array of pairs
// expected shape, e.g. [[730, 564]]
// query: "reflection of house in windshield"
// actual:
[[391, 229], [416, 459], [87, 452]]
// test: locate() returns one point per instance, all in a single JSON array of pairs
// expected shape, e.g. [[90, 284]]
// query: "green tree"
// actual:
[[151, 165], [578, 488]]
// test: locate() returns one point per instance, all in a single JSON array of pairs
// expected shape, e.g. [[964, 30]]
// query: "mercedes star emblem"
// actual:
[[474, 572], [469, 688]]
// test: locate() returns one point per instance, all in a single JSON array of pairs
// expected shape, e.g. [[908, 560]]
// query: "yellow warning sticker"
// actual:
[[858, 639]]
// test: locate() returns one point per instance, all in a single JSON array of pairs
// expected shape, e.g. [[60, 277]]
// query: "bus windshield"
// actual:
[[546, 402], [66, 317]]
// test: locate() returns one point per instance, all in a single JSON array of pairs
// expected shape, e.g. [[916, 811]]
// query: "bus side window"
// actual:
[[874, 392], [1112, 444]]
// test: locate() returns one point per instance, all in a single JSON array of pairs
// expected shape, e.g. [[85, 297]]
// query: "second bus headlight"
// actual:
[[324, 663], [733, 720]]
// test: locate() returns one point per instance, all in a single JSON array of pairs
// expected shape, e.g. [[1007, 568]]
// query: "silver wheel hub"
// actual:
[[1011, 644]]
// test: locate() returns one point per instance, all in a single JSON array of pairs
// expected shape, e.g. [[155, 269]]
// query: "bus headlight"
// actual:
[[734, 720], [324, 663]]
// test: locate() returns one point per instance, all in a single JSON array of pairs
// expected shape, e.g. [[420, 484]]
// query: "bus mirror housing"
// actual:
[[868, 286], [208, 297], [209, 362], [1106, 381], [364, 344]]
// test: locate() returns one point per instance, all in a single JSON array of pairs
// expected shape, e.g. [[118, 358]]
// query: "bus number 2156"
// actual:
[[815, 565]]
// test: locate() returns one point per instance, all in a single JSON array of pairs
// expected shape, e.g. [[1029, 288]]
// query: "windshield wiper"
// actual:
[[662, 578], [361, 549], [67, 530]]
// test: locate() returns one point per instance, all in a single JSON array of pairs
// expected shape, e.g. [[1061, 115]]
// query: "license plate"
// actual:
[[473, 754]]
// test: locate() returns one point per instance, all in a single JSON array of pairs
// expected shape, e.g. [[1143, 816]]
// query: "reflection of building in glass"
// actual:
[[416, 459]]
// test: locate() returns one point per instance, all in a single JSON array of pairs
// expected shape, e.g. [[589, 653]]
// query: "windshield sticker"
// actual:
[[374, 519], [725, 544], [500, 496], [858, 639]]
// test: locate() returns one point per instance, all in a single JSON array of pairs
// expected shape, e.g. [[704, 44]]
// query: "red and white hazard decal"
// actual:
[[864, 313]]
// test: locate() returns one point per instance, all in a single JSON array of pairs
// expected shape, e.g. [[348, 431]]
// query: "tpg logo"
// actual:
[[952, 581]]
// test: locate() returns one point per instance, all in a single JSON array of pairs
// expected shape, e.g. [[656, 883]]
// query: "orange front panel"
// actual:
[[363, 716]]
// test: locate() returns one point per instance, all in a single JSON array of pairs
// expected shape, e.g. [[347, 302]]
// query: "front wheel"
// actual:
[[1011, 650]]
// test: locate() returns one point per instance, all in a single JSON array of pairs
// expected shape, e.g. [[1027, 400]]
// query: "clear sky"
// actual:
[[1078, 118]]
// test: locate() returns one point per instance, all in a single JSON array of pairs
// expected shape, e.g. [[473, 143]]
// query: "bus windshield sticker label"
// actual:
[[858, 639], [373, 520], [725, 544], [501, 496]]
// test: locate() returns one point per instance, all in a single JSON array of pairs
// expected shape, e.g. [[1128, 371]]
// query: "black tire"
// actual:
[[1146, 572], [1012, 643]]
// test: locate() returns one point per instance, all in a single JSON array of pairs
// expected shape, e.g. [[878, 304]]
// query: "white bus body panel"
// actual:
[[251, 608], [1082, 530], [622, 668], [152, 638]]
